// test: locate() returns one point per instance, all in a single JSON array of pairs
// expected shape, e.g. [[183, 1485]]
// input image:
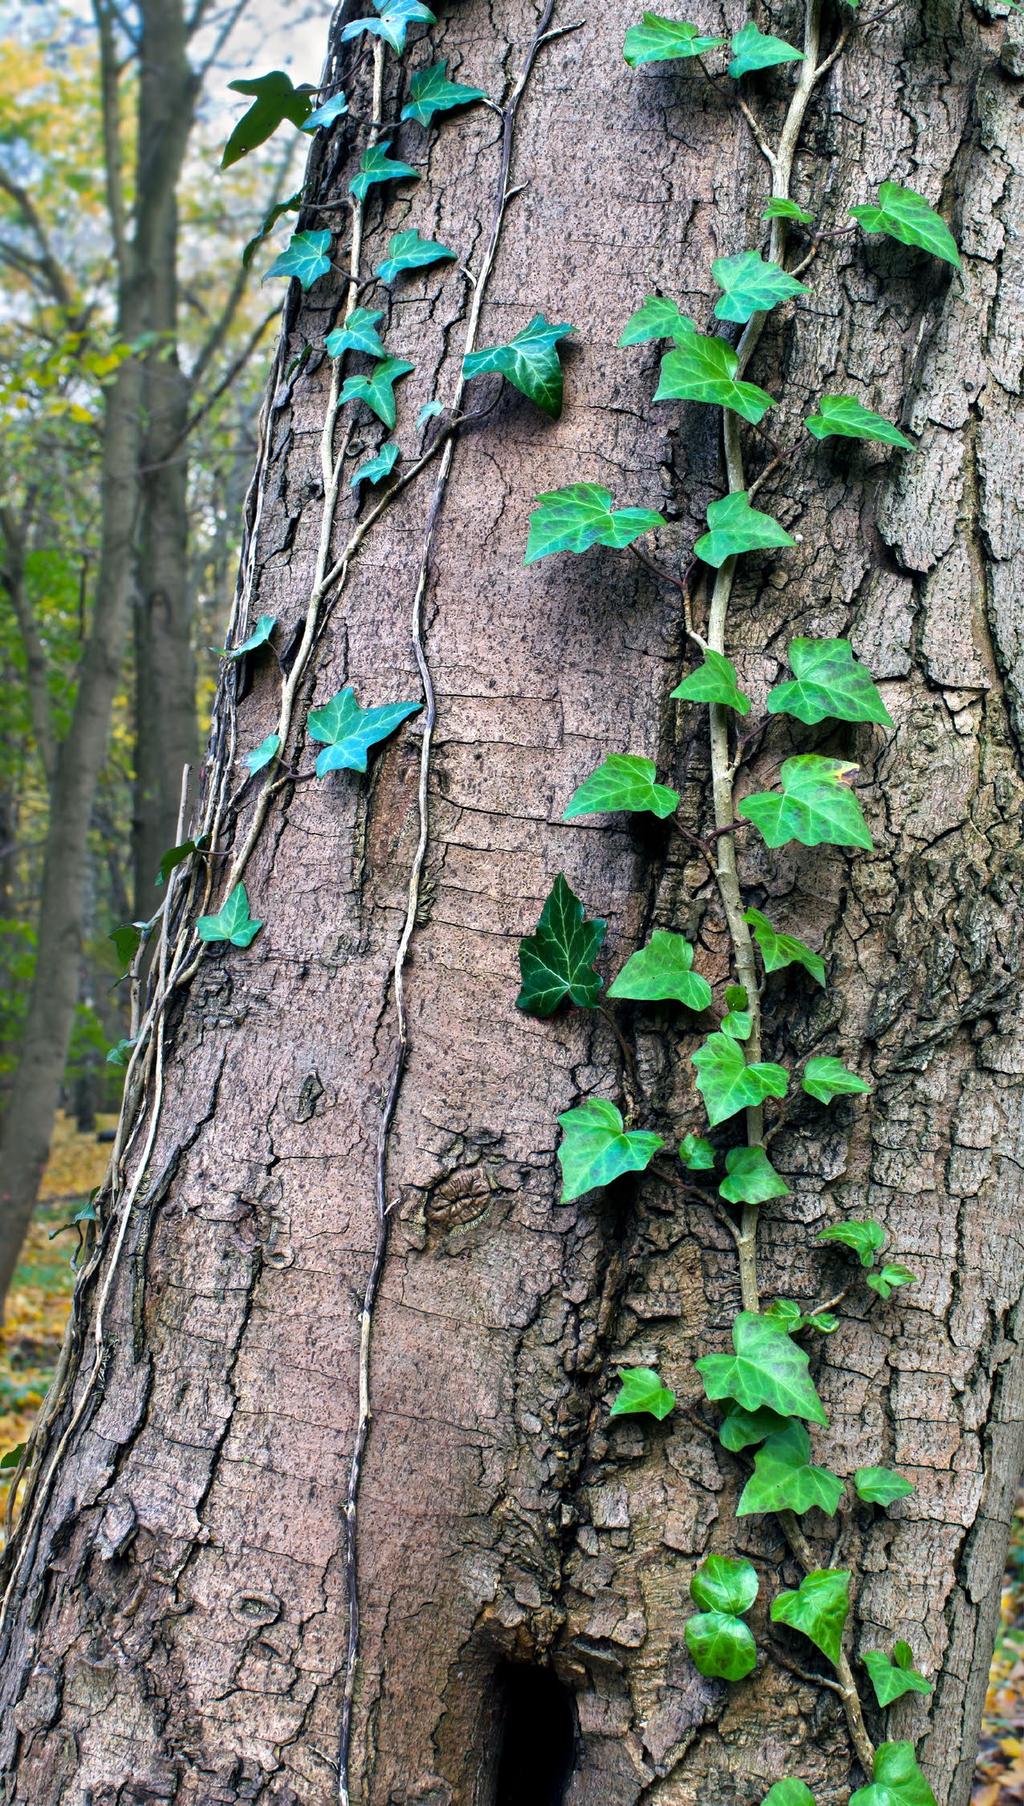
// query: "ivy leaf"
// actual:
[[816, 807], [395, 18], [376, 166], [663, 970], [704, 369], [714, 681], [898, 1780], [232, 921], [658, 318], [269, 221], [357, 334], [658, 40], [818, 1609], [866, 1238], [430, 92], [263, 753], [751, 286], [892, 1679], [784, 1479], [11, 1458], [888, 1278], [778, 208], [754, 49], [378, 467], [275, 100], [622, 781], [881, 1485], [408, 251], [736, 527], [557, 959], [581, 516], [331, 109], [826, 1078], [737, 1023], [722, 1646], [767, 1368], [596, 1148], [428, 412], [176, 856], [642, 1391], [696, 1154], [726, 1082], [377, 389], [529, 362], [752, 1178], [829, 685], [305, 258], [739, 1429], [906, 216], [120, 1053], [778, 950], [347, 731], [788, 1792], [258, 637], [127, 939], [843, 417], [724, 1584]]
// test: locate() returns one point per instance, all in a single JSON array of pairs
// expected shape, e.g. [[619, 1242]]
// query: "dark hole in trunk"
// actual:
[[538, 1737]]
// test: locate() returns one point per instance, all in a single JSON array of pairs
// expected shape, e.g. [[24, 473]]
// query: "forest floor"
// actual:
[[30, 1343]]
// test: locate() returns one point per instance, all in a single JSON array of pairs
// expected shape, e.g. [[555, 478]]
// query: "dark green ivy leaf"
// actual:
[[430, 92], [378, 467], [642, 1391], [826, 1078], [728, 1084], [377, 389], [704, 369], [754, 49], [735, 527], [696, 1154], [778, 950], [658, 40], [581, 516], [751, 285], [658, 318], [714, 681], [357, 334], [898, 1780], [723, 1583], [888, 1278], [843, 417], [906, 216], [785, 1480], [596, 1148], [408, 251], [11, 1458], [395, 18], [881, 1485], [663, 970], [892, 1679], [767, 1368], [722, 1646], [127, 939], [557, 959], [348, 731], [815, 806], [275, 100], [818, 1609], [232, 922], [752, 1179], [622, 781], [829, 685], [376, 166], [866, 1238], [305, 258], [530, 362], [176, 856]]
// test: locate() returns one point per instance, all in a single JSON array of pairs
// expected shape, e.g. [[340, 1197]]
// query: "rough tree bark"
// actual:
[[178, 1615]]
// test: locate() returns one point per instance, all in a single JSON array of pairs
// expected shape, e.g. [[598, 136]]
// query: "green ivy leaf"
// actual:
[[751, 286], [881, 1485], [754, 49], [898, 1780], [788, 1792], [843, 417], [892, 1679], [596, 1148], [305, 258], [722, 1647], [11, 1458], [663, 970], [865, 1237], [726, 1082], [752, 1179], [818, 1609], [428, 412], [778, 950], [395, 18], [767, 1368], [658, 318], [378, 467], [530, 362], [816, 806], [376, 166], [738, 1023], [357, 334], [696, 1154], [258, 637], [829, 685], [826, 1078], [557, 959], [334, 108], [377, 389], [906, 216], [778, 208], [642, 1391], [784, 1479], [622, 781], [263, 753], [127, 939], [408, 251], [581, 516], [736, 527], [704, 369], [120, 1053], [658, 40], [888, 1278], [275, 100], [176, 856], [723, 1583], [430, 92], [347, 732], [232, 921], [714, 681], [739, 1429]]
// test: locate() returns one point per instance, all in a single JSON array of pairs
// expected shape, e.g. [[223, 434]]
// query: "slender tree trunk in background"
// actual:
[[178, 1613]]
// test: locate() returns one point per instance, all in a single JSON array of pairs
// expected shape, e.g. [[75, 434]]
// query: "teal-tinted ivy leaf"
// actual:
[[430, 92], [258, 637], [778, 208], [726, 1082], [263, 753], [752, 1179], [269, 221], [596, 1148], [789, 1792], [881, 1485], [815, 806], [751, 286], [557, 959], [305, 258], [408, 251], [906, 216], [176, 856], [622, 781], [818, 1609], [826, 1078], [889, 1278], [357, 334], [376, 166], [530, 362], [722, 1646], [232, 922], [829, 685], [696, 1154], [735, 527], [898, 1780], [275, 99], [428, 411], [865, 1237], [714, 681], [778, 950], [658, 40], [784, 1478], [581, 516], [892, 1679], [642, 1391], [120, 1053], [347, 732], [377, 389], [11, 1458], [843, 417], [663, 970], [704, 369], [740, 1429], [754, 49], [334, 108], [767, 1368], [724, 1584], [378, 467], [658, 318], [395, 18]]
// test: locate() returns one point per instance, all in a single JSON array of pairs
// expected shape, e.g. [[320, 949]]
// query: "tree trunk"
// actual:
[[179, 1621]]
